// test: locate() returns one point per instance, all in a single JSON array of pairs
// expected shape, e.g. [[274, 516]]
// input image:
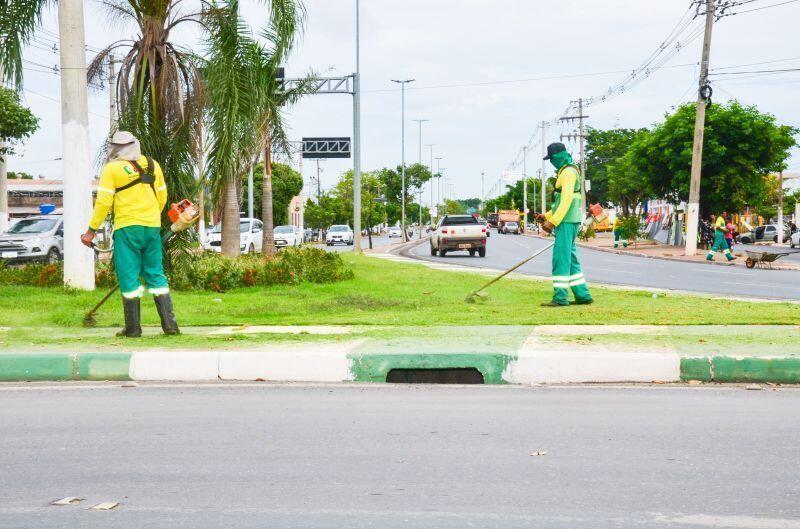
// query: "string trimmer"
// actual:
[[183, 215], [596, 214]]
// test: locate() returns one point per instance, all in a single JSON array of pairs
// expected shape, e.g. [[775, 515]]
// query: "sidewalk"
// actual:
[[604, 242], [546, 354]]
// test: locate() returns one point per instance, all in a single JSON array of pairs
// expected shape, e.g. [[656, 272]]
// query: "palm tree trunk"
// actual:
[[230, 221], [268, 241]]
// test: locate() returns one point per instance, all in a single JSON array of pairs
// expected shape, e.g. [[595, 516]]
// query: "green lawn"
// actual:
[[388, 293]]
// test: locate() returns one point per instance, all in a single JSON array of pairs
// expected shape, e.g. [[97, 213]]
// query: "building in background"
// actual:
[[297, 209]]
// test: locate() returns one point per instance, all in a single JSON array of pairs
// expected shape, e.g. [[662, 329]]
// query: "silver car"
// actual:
[[39, 238]]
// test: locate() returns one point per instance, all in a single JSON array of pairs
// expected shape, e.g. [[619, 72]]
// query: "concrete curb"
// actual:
[[341, 362]]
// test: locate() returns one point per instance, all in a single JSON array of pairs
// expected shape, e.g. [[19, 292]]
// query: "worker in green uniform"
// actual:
[[618, 234], [720, 245], [134, 186], [566, 216]]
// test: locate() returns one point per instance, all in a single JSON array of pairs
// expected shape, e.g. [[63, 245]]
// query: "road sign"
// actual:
[[326, 147]]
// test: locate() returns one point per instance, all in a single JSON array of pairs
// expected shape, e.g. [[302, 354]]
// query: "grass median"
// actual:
[[383, 293]]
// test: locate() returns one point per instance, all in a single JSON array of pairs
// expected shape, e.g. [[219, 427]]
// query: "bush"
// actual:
[[586, 233], [212, 272], [630, 227]]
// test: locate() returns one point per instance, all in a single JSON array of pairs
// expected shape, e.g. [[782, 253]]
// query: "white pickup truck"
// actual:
[[459, 232]]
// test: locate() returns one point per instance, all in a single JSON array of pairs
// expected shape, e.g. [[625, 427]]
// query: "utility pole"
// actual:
[[693, 207], [319, 185], [544, 163], [581, 137], [483, 194], [77, 161], [357, 138], [403, 84], [524, 188], [439, 179], [112, 97], [3, 179]]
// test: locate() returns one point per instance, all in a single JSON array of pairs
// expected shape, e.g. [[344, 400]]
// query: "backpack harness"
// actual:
[[145, 177]]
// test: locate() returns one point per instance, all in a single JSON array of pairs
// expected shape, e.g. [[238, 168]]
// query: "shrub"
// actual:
[[630, 227], [586, 233], [212, 272]]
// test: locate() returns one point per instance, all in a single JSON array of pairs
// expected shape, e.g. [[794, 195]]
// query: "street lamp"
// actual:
[[403, 84], [430, 169], [420, 122], [439, 179], [357, 138]]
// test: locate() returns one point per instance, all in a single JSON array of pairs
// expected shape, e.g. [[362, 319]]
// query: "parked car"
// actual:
[[794, 241], [459, 232], [512, 227], [288, 235], [485, 224], [765, 233], [250, 236], [339, 234], [39, 238], [395, 231]]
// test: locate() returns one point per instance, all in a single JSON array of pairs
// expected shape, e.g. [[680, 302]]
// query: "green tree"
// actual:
[[22, 175], [604, 148], [373, 210], [322, 214], [627, 184], [17, 122], [416, 177], [741, 147], [286, 184], [512, 198]]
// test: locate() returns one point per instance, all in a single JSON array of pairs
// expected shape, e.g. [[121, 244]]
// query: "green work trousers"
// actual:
[[720, 245], [137, 253], [618, 239], [567, 272]]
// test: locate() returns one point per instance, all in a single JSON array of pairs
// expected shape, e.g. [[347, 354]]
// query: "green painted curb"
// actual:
[[696, 368], [373, 367], [64, 366], [752, 369]]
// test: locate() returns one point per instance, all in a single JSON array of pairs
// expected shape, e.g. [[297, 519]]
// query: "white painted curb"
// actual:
[[320, 363], [559, 367]]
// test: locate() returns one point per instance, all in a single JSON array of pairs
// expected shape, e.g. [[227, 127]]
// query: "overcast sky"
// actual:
[[478, 66]]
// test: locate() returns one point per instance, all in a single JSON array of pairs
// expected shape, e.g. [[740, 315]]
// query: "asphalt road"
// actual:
[[387, 457], [377, 242], [504, 251]]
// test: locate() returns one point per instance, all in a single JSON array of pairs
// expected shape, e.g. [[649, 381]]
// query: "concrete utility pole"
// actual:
[[357, 138], [403, 84], [3, 179], [483, 194], [319, 184], [439, 179], [525, 188], [112, 98], [544, 163], [77, 162], [693, 207]]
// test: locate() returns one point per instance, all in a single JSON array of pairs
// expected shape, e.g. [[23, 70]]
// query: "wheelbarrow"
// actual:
[[763, 259]]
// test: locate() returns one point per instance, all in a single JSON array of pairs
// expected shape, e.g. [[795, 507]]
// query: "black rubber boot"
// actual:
[[133, 321], [165, 312]]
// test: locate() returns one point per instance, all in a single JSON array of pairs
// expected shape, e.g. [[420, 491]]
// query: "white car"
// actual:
[[250, 234], [395, 231], [794, 240], [39, 238], [339, 233], [287, 235]]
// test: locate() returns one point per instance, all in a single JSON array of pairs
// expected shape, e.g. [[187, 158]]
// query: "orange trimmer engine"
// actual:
[[183, 215], [596, 214]]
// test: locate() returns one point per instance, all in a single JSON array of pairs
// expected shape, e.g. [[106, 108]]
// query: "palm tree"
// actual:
[[158, 91]]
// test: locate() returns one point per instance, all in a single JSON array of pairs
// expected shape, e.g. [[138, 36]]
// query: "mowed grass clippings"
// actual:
[[391, 293]]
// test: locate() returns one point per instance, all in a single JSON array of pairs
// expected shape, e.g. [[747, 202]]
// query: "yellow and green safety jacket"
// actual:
[[567, 203], [719, 225], [134, 205]]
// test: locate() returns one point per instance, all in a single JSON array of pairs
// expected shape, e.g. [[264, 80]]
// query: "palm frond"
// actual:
[[18, 20]]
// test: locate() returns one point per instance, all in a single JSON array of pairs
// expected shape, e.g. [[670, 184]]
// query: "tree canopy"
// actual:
[[17, 122]]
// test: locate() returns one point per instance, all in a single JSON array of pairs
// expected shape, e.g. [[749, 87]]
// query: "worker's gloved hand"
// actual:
[[87, 238]]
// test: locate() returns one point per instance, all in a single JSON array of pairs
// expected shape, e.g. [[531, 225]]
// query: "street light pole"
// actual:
[[403, 84], [430, 169], [524, 188], [420, 122], [439, 179], [357, 138]]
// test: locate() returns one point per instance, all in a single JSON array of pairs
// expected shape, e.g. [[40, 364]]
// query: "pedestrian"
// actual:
[[719, 238], [730, 235], [566, 217], [134, 186], [617, 228]]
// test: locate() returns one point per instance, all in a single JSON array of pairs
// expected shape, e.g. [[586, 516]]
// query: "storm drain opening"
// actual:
[[454, 375]]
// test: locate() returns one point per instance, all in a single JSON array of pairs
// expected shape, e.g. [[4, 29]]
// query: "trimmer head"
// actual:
[[473, 298], [89, 320]]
